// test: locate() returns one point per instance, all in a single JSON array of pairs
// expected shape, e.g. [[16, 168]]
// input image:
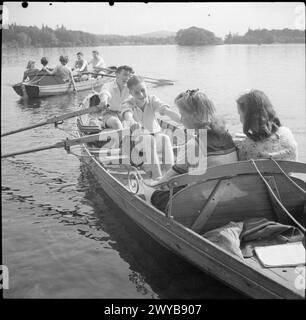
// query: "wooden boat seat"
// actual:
[[204, 204]]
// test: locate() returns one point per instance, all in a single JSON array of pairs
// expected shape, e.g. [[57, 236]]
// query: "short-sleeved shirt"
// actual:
[[146, 116], [281, 146], [114, 96], [62, 73]]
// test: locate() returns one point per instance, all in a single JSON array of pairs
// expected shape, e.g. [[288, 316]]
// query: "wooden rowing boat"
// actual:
[[232, 192], [46, 85]]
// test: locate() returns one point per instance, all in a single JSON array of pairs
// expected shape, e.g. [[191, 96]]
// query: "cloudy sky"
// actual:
[[137, 18]]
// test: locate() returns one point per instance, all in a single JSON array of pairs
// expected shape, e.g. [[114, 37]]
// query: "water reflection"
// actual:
[[60, 102]]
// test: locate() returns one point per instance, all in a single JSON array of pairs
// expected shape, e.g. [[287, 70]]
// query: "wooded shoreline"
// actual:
[[26, 37]]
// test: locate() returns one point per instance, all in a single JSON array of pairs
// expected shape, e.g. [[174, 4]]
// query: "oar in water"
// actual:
[[66, 144], [55, 119], [159, 82]]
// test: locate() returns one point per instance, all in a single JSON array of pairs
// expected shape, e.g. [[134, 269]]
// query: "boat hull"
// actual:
[[18, 89], [190, 245], [33, 90]]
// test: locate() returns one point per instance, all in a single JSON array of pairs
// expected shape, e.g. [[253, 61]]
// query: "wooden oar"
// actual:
[[55, 119], [160, 83], [170, 82], [66, 144]]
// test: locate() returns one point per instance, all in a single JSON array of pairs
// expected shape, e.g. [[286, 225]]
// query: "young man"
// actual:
[[141, 107], [140, 111], [113, 94], [80, 64], [97, 62]]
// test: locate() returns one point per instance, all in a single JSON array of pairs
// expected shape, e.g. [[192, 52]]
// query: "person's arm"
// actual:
[[166, 111], [24, 76], [74, 67], [48, 71], [72, 80]]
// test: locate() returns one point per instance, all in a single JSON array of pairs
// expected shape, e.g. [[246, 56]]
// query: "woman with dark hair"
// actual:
[[265, 136], [214, 147], [62, 72], [44, 61]]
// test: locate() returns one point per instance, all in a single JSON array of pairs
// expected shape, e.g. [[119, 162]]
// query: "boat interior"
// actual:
[[262, 189]]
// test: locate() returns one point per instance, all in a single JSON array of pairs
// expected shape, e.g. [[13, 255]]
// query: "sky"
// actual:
[[137, 18]]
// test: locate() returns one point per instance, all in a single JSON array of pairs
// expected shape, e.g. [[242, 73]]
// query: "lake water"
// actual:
[[62, 236]]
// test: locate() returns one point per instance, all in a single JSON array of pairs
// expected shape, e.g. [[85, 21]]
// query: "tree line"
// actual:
[[22, 36], [264, 36]]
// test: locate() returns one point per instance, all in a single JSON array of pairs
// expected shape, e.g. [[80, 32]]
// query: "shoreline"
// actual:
[[6, 47]]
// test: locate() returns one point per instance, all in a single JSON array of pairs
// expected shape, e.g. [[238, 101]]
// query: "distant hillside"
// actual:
[[158, 34], [22, 36]]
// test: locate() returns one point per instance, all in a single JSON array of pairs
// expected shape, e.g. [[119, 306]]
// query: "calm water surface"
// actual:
[[62, 236]]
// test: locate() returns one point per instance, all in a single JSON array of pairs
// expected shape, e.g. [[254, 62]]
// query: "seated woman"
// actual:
[[62, 72], [217, 146], [265, 136], [30, 72]]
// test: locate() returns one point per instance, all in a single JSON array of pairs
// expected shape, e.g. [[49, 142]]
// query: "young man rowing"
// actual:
[[140, 111]]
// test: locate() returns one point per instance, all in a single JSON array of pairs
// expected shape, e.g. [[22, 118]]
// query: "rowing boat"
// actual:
[[47, 85], [231, 192]]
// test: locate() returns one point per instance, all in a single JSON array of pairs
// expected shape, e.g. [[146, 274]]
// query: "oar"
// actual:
[[161, 83], [66, 144], [55, 119], [148, 78]]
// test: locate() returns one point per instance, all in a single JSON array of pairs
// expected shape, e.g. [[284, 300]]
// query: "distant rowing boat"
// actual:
[[231, 192], [46, 85]]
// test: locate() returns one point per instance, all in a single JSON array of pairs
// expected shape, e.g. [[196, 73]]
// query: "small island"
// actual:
[[194, 36]]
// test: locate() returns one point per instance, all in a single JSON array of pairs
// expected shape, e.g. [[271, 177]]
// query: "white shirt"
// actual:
[[145, 117], [114, 97], [97, 63]]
